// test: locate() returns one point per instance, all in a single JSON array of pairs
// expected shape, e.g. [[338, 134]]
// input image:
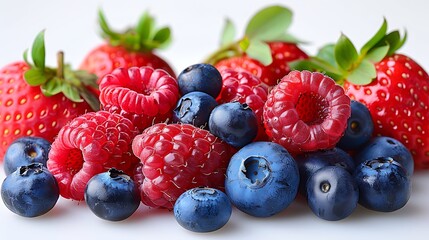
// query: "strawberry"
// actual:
[[266, 48], [36, 100], [393, 86], [133, 48]]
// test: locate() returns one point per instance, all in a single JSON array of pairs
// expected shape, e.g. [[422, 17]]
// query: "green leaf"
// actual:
[[377, 54], [345, 53], [395, 41], [105, 28], [52, 87], [71, 93], [25, 56], [260, 51], [289, 38], [38, 51], [244, 44], [327, 53], [316, 65], [145, 27], [269, 23], [363, 74], [228, 33], [162, 37], [35, 77], [375, 39]]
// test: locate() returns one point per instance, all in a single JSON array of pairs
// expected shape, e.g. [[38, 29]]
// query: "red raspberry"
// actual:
[[144, 95], [306, 111], [245, 87], [178, 157], [90, 144]]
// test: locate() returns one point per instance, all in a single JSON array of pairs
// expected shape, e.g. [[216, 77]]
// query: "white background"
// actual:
[[71, 26]]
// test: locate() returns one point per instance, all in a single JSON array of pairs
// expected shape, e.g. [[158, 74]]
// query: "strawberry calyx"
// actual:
[[75, 85], [268, 25], [144, 37], [342, 61]]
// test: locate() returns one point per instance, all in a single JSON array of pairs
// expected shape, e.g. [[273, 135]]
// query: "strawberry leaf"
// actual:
[[269, 23], [71, 93], [260, 51], [162, 37], [375, 39], [363, 74], [35, 77], [38, 51], [377, 54], [316, 64], [327, 53], [395, 42], [105, 28], [228, 33], [244, 44], [345, 53], [145, 27], [52, 87]]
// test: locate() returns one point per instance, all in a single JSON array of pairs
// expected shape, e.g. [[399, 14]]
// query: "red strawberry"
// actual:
[[134, 48], [178, 157], [306, 111], [37, 101], [245, 88], [90, 144], [393, 87], [264, 53], [144, 95], [281, 52]]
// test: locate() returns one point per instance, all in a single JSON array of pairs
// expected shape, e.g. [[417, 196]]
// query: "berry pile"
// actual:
[[253, 127]]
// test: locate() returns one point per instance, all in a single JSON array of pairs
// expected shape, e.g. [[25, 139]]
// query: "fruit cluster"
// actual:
[[253, 127]]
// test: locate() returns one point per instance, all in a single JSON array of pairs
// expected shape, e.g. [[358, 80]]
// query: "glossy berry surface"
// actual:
[[200, 77], [112, 195], [235, 123], [359, 127], [332, 193], [24, 151], [383, 184], [310, 162], [262, 179], [202, 209], [244, 87], [194, 108], [30, 191], [142, 94], [306, 111], [90, 144], [386, 147], [178, 157]]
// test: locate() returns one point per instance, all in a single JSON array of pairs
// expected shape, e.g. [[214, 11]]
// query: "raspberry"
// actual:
[[245, 87], [176, 158], [142, 94], [306, 112], [90, 144]]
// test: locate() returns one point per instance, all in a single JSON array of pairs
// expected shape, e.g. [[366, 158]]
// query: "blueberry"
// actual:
[[310, 162], [262, 179], [202, 209], [30, 191], [235, 123], [332, 193], [200, 77], [194, 108], [112, 195], [359, 127], [383, 183], [24, 151], [386, 147]]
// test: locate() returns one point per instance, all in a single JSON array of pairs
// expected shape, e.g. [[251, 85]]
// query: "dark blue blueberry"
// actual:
[[332, 193], [262, 179], [30, 191], [24, 151], [359, 127], [310, 162], [383, 183], [235, 123], [112, 195], [194, 108], [386, 147], [202, 209], [200, 77]]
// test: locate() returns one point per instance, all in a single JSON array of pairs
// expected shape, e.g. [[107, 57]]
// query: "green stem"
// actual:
[[226, 51], [60, 67]]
